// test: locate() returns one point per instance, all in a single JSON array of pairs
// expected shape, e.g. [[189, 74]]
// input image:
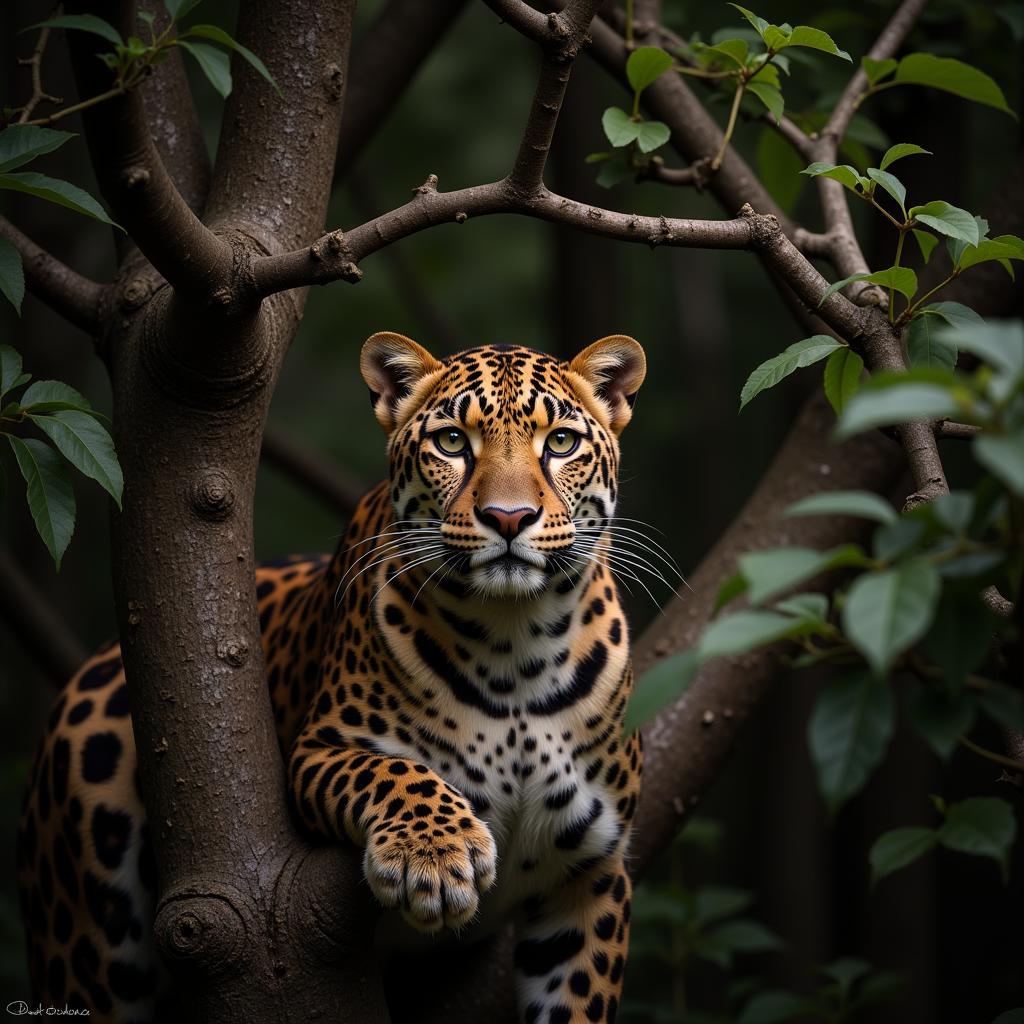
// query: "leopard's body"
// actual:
[[448, 692]]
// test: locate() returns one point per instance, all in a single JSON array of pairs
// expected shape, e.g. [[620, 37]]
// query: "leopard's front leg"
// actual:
[[571, 949], [426, 852]]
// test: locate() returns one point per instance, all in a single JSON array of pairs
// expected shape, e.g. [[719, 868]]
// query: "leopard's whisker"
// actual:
[[631, 543]]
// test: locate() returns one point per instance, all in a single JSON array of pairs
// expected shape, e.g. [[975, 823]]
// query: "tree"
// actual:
[[213, 273]]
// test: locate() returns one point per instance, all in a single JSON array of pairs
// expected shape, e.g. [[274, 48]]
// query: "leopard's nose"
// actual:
[[509, 522]]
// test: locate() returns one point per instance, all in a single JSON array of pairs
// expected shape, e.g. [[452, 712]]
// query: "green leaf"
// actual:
[[213, 63], [84, 23], [899, 151], [1000, 344], [1003, 457], [804, 606], [745, 936], [743, 631], [177, 9], [770, 96], [926, 243], [951, 76], [898, 848], [843, 173], [53, 190], [862, 129], [713, 902], [619, 128], [87, 446], [801, 353], [777, 1007], [651, 134], [613, 172], [12, 276], [876, 70], [218, 35], [658, 687], [776, 37], [891, 184], [848, 734], [645, 65], [1002, 247], [760, 25], [900, 403], [48, 491], [887, 612], [51, 395], [734, 50], [770, 572], [984, 826], [862, 504], [947, 220], [10, 368], [960, 635], [730, 590], [20, 143], [1004, 705], [940, 717], [846, 972], [842, 377], [926, 345], [954, 313], [815, 39], [900, 279]]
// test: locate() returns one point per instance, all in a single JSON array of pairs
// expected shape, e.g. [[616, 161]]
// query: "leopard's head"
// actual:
[[504, 461]]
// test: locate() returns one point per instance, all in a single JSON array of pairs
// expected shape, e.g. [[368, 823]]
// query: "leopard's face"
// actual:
[[504, 461]]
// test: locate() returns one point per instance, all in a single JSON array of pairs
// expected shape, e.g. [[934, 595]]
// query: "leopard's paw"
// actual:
[[435, 876]]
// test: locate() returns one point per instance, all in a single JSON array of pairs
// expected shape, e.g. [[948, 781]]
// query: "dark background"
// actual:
[[706, 319]]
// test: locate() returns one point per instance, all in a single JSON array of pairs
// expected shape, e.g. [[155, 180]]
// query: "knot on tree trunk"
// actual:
[[213, 495], [202, 932]]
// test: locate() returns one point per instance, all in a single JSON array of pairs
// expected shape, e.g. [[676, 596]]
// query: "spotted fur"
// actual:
[[448, 692]]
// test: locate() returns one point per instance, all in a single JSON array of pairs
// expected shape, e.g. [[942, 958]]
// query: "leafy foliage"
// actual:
[[908, 614], [131, 62], [74, 431]]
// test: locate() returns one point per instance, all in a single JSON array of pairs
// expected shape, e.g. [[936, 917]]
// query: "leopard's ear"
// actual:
[[392, 365], [614, 367]]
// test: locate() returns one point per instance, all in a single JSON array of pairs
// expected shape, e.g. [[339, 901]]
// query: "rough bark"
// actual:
[[257, 925]]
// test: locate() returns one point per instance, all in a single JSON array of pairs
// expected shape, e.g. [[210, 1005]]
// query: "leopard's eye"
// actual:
[[451, 441], [562, 441]]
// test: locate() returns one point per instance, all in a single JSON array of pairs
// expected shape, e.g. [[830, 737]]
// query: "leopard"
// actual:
[[448, 690]]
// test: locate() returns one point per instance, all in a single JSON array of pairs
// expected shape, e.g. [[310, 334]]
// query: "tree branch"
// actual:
[[688, 743], [275, 162], [311, 471], [385, 58], [336, 256], [174, 122], [34, 623], [75, 297], [132, 177], [695, 134], [569, 32], [35, 63], [888, 42]]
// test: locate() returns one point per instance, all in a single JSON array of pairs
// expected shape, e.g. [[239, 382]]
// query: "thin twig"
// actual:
[[35, 63], [75, 297], [957, 431], [1000, 759]]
